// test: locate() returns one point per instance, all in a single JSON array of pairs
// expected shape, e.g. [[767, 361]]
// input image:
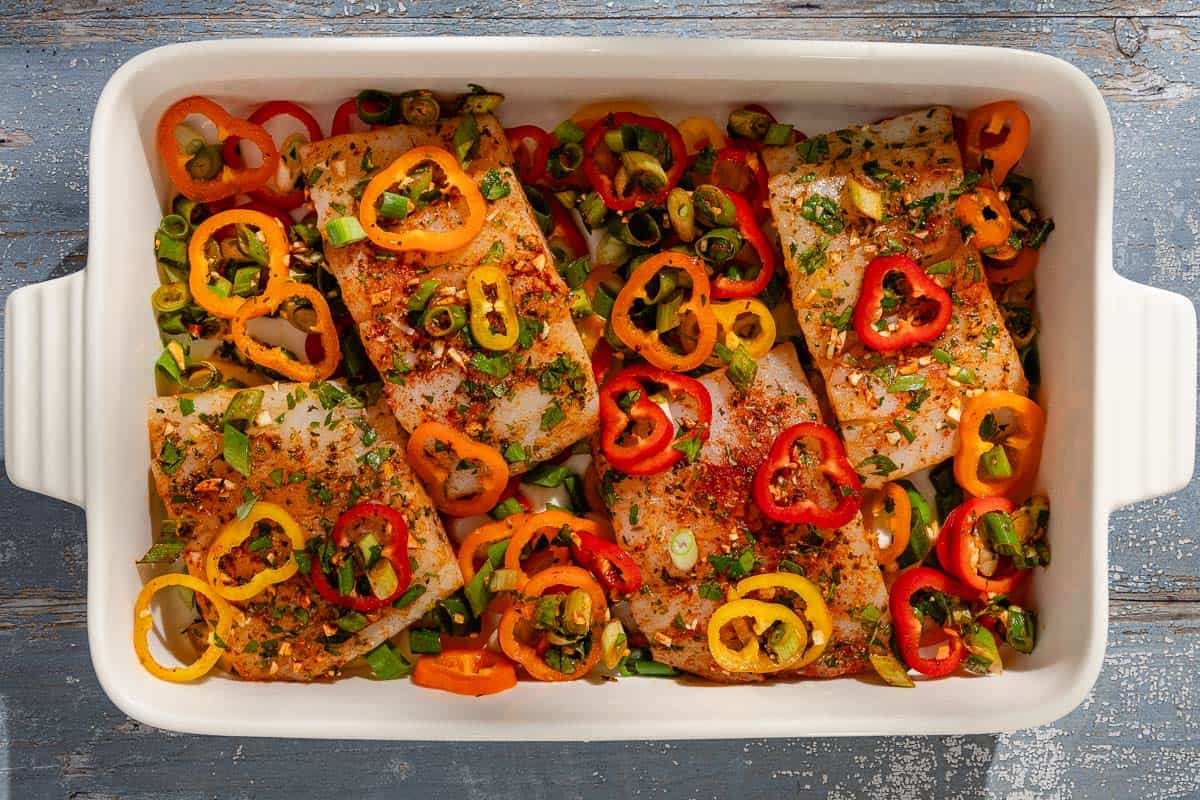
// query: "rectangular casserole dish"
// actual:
[[1119, 366]]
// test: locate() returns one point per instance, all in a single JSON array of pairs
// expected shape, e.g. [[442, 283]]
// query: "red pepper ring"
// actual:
[[832, 464], [395, 550], [960, 525], [530, 162], [616, 570], [343, 116], [603, 183], [655, 453], [616, 422], [726, 288], [564, 229], [908, 625], [738, 153], [869, 309], [268, 194]]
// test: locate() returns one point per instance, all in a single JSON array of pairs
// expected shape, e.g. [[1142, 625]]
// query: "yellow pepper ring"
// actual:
[[143, 621], [727, 316], [277, 252], [426, 240], [237, 532], [750, 657], [481, 282], [815, 610], [602, 108], [696, 131]]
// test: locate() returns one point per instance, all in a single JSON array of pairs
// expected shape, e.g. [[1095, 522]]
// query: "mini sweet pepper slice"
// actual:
[[780, 482], [895, 283], [196, 167]]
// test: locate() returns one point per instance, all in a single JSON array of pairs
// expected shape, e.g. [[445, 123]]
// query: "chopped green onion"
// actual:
[[746, 123], [644, 169], [514, 453], [1001, 534], [192, 211], [591, 207], [666, 314], [506, 508], [682, 213], [906, 383], [243, 408], [169, 298], [307, 234], [174, 226], [480, 101], [505, 580], [742, 368], [575, 272], [983, 655], [466, 137], [420, 298], [221, 287], [891, 670], [549, 475], [253, 247], [477, 589], [784, 641], [602, 302], [343, 231], [351, 622], [713, 206], [394, 206], [206, 163], [425, 640], [164, 552], [882, 464], [375, 107], [494, 186], [568, 131], [683, 549], [237, 451], [245, 281], [201, 376], [443, 320], [995, 462], [419, 107], [410, 595], [777, 135], [611, 250], [614, 644], [386, 664], [1019, 629], [719, 245], [966, 375], [172, 361], [172, 324], [940, 268], [941, 356], [172, 250], [648, 668]]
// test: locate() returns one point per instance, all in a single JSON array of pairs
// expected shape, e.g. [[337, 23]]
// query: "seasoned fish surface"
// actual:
[[891, 427], [541, 395], [713, 498], [316, 452]]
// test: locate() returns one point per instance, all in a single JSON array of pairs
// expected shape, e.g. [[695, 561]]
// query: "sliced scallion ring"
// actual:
[[201, 376], [375, 107], [683, 549], [170, 298], [174, 226]]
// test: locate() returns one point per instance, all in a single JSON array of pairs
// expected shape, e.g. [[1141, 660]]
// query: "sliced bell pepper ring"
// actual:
[[738, 156], [763, 335], [143, 621], [984, 138], [430, 241], [988, 217], [897, 521], [907, 624], [271, 211], [923, 326], [237, 532], [587, 115], [613, 567], [469, 672], [427, 449], [815, 609], [343, 116], [227, 181], [776, 479], [493, 316], [1025, 443], [530, 162], [962, 550], [269, 194], [605, 184], [486, 534], [750, 656], [276, 358], [394, 548], [602, 359], [275, 237], [1013, 270], [656, 451], [530, 656], [543, 525], [649, 343], [701, 132], [727, 288]]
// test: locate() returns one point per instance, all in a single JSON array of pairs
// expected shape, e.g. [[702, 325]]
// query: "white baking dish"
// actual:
[[1118, 360]]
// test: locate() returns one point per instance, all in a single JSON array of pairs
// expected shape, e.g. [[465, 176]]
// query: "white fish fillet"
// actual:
[[425, 380], [316, 459], [712, 497], [916, 154]]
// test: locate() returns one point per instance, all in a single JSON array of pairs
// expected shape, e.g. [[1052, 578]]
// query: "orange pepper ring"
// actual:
[[533, 527], [274, 357], [467, 672], [230, 182], [1028, 442], [649, 344], [429, 241], [991, 118], [900, 523], [970, 208], [489, 533], [277, 251], [1012, 271], [434, 474], [527, 656]]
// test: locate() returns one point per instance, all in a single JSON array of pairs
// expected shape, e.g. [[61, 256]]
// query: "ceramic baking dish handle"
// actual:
[[43, 388], [1150, 397]]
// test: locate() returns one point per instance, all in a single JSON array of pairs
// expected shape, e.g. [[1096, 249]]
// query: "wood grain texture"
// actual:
[[1135, 735]]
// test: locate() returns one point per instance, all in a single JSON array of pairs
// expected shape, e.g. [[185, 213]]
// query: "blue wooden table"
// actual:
[[1137, 733]]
